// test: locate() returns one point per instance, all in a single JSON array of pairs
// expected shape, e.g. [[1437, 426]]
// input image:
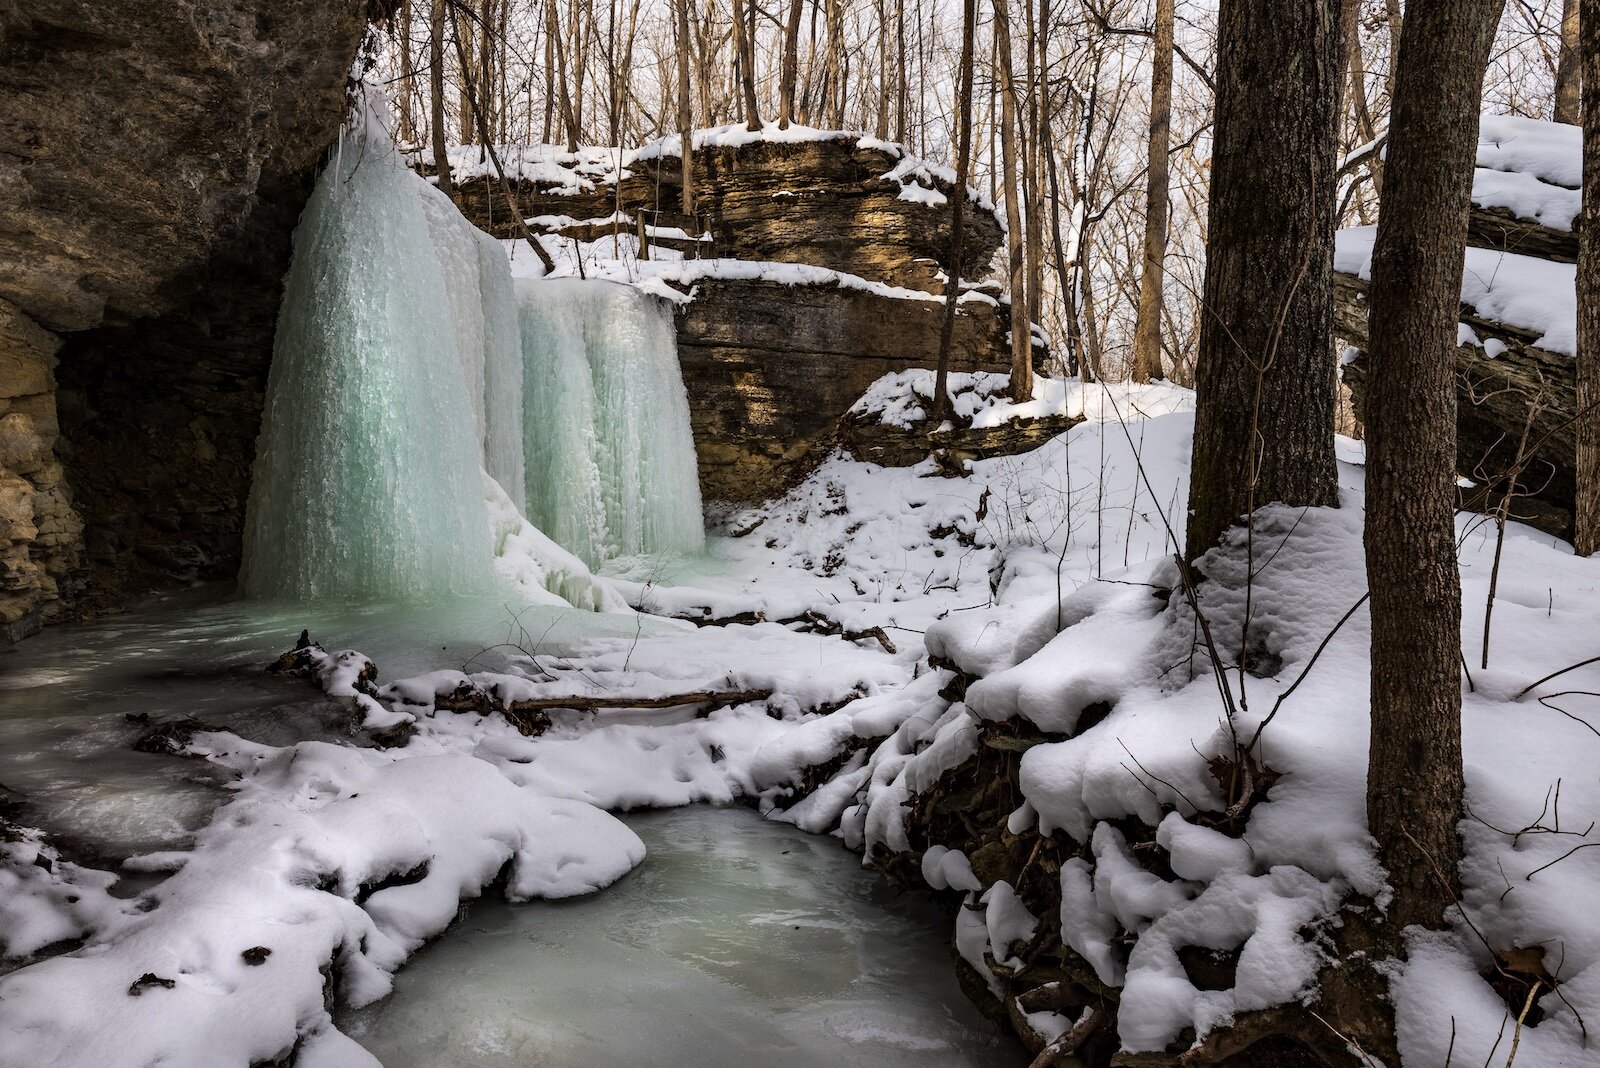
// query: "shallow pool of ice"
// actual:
[[738, 942], [67, 695]]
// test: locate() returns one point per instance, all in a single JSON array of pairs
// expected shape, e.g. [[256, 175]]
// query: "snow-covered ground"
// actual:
[[1043, 578]]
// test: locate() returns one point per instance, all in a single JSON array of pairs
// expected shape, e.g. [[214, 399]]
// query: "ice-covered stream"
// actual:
[[66, 698], [739, 942]]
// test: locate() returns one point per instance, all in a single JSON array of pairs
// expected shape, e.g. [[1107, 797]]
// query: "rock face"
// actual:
[[153, 161], [772, 361], [844, 202], [1523, 388], [40, 532], [771, 368]]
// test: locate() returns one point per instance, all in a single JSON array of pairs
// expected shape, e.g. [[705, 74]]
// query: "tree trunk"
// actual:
[[1414, 778], [563, 89], [408, 78], [1021, 319], [790, 67], [958, 204], [1264, 392], [441, 154], [484, 78], [1147, 328], [1569, 66], [744, 50], [1587, 524], [685, 115]]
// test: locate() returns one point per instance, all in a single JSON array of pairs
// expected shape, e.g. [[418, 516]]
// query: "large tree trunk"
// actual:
[[1264, 386], [1570, 75], [1147, 328], [441, 155], [1588, 427], [1021, 317], [1414, 779], [958, 204]]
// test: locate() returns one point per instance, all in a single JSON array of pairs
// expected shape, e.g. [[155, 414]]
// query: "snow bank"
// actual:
[[1533, 295], [329, 855]]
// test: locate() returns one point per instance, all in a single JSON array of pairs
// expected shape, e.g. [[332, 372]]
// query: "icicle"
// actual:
[[611, 463], [365, 480], [455, 242], [558, 420], [502, 371]]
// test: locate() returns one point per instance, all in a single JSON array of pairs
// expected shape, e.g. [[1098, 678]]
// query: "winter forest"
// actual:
[[705, 533]]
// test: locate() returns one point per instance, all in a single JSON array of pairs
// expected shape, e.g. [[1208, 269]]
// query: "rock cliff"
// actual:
[[773, 358], [153, 160], [1516, 379]]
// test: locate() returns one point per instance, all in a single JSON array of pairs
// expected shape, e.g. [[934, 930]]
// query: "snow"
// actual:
[[301, 864], [1549, 151], [978, 399], [1530, 294]]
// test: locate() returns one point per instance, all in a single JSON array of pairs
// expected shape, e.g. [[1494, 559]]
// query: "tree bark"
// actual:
[[408, 78], [790, 68], [1569, 66], [744, 49], [1147, 327], [685, 114], [441, 153], [1021, 319], [1587, 524], [1414, 778], [958, 204], [1264, 389]]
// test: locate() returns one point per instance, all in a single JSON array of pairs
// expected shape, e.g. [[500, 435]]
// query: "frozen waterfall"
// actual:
[[407, 362], [611, 467], [366, 479]]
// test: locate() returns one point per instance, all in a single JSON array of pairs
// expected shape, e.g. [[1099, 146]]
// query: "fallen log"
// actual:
[[599, 702]]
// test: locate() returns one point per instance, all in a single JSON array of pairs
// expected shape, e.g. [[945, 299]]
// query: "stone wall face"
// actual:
[[825, 203], [40, 531], [154, 158], [771, 368]]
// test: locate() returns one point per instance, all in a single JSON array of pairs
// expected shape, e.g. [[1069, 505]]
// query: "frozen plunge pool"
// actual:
[[738, 942]]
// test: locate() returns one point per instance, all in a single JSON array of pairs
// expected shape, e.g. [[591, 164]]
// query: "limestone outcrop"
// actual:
[[840, 201], [153, 161], [810, 269], [1516, 380]]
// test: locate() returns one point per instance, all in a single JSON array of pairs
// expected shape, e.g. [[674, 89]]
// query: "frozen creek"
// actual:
[[738, 942]]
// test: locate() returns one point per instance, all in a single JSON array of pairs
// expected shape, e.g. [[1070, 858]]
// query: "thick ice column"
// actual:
[[558, 413], [455, 243], [502, 371], [365, 472], [646, 448], [610, 455]]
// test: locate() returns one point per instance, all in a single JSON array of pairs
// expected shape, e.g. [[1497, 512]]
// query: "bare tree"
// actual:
[[745, 55], [1587, 525], [1147, 332], [441, 153], [685, 113], [791, 64], [1021, 321], [1414, 779], [1569, 67], [1264, 383], [958, 204]]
